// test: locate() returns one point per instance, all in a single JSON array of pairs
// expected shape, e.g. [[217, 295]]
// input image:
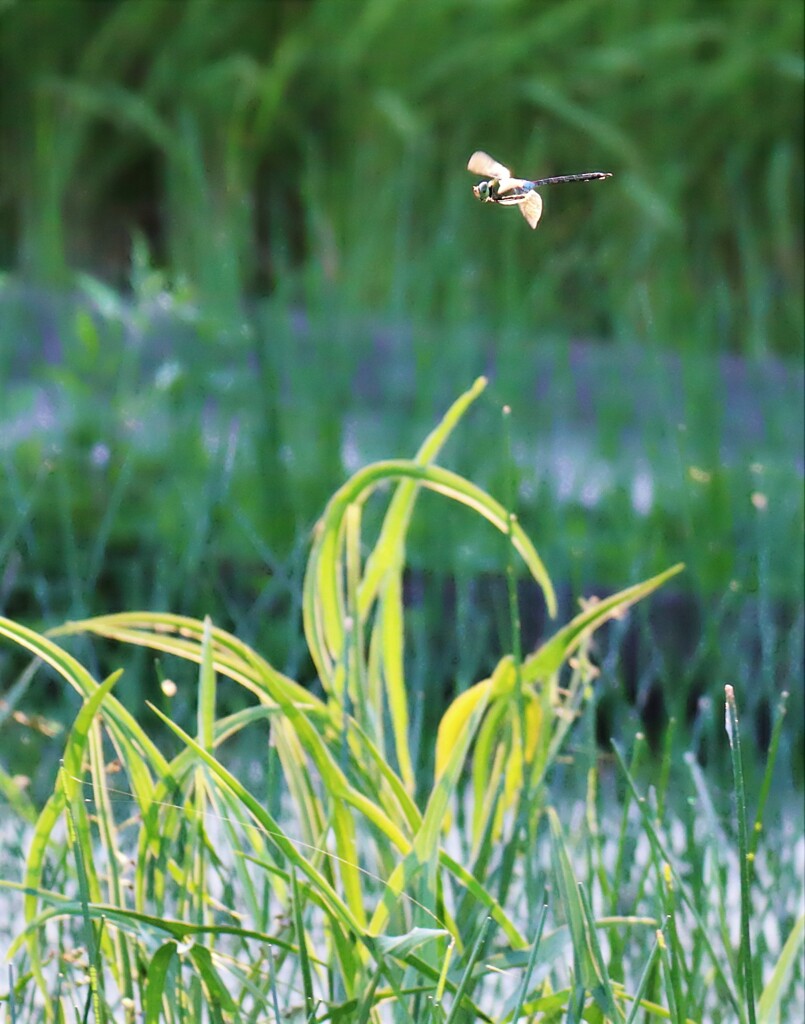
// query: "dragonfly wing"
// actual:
[[483, 164], [531, 208]]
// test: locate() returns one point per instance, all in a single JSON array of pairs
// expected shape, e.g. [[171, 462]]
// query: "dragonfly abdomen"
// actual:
[[586, 176]]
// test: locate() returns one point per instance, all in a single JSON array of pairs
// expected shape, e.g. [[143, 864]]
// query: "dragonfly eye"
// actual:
[[482, 190]]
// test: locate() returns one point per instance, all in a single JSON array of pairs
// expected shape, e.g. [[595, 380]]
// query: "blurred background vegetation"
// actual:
[[327, 139], [240, 257]]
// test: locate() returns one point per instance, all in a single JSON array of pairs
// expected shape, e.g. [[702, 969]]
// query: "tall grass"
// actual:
[[281, 146], [193, 485], [171, 882]]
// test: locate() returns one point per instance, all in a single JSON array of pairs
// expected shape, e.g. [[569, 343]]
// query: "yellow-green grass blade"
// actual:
[[379, 778], [79, 840], [132, 922], [425, 847], [426, 842], [768, 1010], [119, 962], [382, 579], [124, 728], [354, 654], [485, 899], [275, 687], [390, 632], [548, 658], [206, 689], [292, 754], [273, 830], [182, 636], [387, 554], [454, 721], [323, 600], [71, 775], [500, 750]]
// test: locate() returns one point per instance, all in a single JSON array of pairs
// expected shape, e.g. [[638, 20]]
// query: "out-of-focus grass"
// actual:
[[277, 146]]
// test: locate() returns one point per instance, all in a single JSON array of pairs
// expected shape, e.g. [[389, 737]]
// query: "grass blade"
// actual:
[[770, 997], [745, 951]]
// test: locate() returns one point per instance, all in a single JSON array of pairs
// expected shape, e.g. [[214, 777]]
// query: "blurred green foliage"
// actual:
[[303, 144], [281, 189], [153, 463]]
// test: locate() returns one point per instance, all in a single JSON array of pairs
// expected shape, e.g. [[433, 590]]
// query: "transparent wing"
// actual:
[[483, 164], [531, 208]]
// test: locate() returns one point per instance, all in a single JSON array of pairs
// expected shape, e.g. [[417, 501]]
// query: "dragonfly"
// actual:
[[502, 188]]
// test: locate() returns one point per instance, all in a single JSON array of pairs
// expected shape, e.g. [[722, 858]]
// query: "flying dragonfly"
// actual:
[[508, 191]]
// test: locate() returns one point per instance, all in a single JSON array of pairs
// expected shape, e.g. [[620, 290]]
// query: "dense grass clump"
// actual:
[[289, 859], [149, 461]]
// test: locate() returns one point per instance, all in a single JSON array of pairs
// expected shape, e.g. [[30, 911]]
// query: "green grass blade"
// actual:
[[466, 981], [485, 900], [532, 962], [589, 969], [768, 773], [218, 1000], [156, 979], [545, 661], [768, 1011], [301, 942], [387, 554], [663, 856], [79, 839], [273, 831], [206, 689], [71, 775], [745, 951]]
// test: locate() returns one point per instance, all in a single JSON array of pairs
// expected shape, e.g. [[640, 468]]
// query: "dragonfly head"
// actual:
[[482, 190]]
